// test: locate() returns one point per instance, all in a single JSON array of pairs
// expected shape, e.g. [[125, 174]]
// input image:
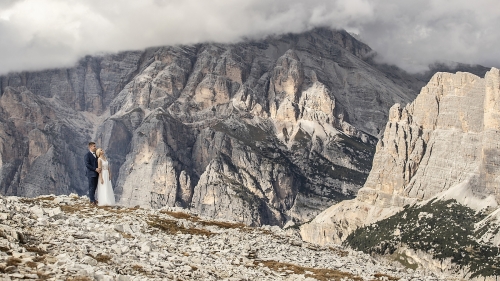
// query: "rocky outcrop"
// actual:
[[444, 145]]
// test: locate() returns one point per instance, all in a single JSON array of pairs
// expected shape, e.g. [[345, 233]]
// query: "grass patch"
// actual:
[[126, 235], [339, 252], [13, 261], [220, 224], [118, 210], [43, 276], [86, 209], [37, 250], [381, 276], [321, 274], [403, 259], [180, 215], [171, 227], [37, 199], [139, 269], [39, 259], [31, 264], [102, 258], [79, 278], [76, 208], [226, 225]]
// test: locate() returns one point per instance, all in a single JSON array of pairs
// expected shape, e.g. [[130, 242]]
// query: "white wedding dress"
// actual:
[[105, 194]]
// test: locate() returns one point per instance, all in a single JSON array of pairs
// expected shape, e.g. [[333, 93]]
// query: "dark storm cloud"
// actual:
[[38, 34]]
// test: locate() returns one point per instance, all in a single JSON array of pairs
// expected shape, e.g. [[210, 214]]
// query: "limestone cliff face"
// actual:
[[444, 145], [47, 117], [39, 144], [265, 132], [274, 138]]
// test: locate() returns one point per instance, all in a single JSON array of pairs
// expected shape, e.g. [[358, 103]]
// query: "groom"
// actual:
[[92, 172]]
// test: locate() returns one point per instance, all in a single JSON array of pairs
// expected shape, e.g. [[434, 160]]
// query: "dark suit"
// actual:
[[92, 175]]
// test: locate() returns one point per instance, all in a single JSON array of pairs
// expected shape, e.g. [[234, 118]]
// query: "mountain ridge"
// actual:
[[277, 129]]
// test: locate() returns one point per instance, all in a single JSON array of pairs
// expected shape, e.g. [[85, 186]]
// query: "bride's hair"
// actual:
[[98, 154]]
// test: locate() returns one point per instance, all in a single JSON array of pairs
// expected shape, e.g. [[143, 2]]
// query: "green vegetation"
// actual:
[[404, 260], [321, 274], [444, 229]]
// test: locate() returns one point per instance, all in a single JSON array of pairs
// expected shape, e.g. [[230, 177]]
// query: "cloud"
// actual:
[[38, 34], [415, 34]]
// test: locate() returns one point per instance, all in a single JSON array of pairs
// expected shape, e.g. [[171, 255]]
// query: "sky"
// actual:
[[41, 34]]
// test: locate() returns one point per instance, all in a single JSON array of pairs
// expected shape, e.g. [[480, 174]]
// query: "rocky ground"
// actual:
[[64, 238]]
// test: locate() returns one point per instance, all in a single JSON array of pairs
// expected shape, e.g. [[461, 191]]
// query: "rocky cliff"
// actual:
[[264, 132], [443, 147]]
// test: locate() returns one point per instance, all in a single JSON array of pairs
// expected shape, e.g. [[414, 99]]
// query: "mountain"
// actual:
[[432, 195], [270, 131]]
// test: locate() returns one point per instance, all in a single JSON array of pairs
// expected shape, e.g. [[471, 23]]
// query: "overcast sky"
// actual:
[[38, 34]]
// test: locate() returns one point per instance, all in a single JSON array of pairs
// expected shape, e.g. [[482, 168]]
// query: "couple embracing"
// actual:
[[99, 175]]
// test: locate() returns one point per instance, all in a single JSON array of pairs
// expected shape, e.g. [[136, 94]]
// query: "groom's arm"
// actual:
[[88, 163]]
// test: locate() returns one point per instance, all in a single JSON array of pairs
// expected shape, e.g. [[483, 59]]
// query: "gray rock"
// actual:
[[259, 132], [453, 120], [89, 260], [146, 247]]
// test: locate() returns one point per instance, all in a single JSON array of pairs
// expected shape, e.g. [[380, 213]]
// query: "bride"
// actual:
[[105, 194]]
